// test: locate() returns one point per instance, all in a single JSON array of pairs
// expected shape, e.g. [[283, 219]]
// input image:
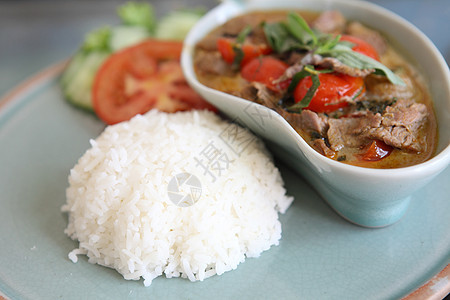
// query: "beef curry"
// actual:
[[341, 85]]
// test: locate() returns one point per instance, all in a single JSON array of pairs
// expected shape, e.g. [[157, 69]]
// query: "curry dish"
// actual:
[[341, 85]]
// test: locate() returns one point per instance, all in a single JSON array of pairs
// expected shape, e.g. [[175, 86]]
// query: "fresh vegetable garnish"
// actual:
[[242, 54], [361, 46], [331, 92], [236, 52], [176, 24], [266, 70], [97, 40], [376, 151], [140, 78], [138, 14], [138, 23], [295, 34], [307, 97]]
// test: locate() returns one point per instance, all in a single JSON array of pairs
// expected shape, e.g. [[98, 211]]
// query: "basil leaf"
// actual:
[[296, 79], [237, 46], [276, 34], [308, 96], [238, 56], [306, 71], [279, 38], [298, 27], [327, 43], [295, 34], [243, 34], [360, 61]]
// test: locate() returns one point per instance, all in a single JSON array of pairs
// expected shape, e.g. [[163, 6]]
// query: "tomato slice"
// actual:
[[376, 151], [361, 46], [225, 47], [331, 91], [265, 69], [140, 78]]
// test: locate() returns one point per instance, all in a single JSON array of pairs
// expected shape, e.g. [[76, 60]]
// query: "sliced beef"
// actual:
[[369, 35], [322, 147], [257, 36], [330, 22], [209, 43], [248, 92], [234, 26], [265, 96], [379, 88], [324, 62], [336, 65], [295, 57], [348, 132], [211, 62], [398, 127], [297, 62], [307, 120], [311, 121], [400, 124]]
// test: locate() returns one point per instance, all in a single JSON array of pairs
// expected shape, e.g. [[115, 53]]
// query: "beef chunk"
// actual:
[[398, 127], [295, 57], [321, 146], [234, 26], [211, 62], [307, 120], [381, 89], [348, 132], [248, 92], [336, 65], [324, 62], [311, 121], [369, 35], [400, 124], [209, 43], [330, 22], [264, 95]]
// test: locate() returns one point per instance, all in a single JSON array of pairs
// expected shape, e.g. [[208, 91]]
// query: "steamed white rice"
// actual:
[[122, 215]]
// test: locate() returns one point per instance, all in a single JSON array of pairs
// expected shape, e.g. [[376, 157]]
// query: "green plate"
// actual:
[[320, 256]]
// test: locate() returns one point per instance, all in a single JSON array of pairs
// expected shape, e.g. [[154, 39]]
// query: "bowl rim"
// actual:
[[437, 163]]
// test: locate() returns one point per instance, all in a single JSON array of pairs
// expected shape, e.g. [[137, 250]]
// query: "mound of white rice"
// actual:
[[123, 197]]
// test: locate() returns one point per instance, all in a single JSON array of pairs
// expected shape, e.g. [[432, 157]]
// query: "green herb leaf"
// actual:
[[243, 34], [305, 72], [326, 43], [279, 38], [296, 79], [308, 96], [295, 34], [97, 40], [237, 46], [137, 14], [298, 27], [360, 61]]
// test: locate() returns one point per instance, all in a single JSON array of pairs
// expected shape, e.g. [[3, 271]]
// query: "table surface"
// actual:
[[36, 34]]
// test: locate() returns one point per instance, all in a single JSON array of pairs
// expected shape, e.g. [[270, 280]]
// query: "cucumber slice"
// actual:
[[72, 68], [124, 36], [176, 25], [78, 78]]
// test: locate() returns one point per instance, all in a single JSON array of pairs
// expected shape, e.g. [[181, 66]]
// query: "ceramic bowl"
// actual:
[[368, 197]]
